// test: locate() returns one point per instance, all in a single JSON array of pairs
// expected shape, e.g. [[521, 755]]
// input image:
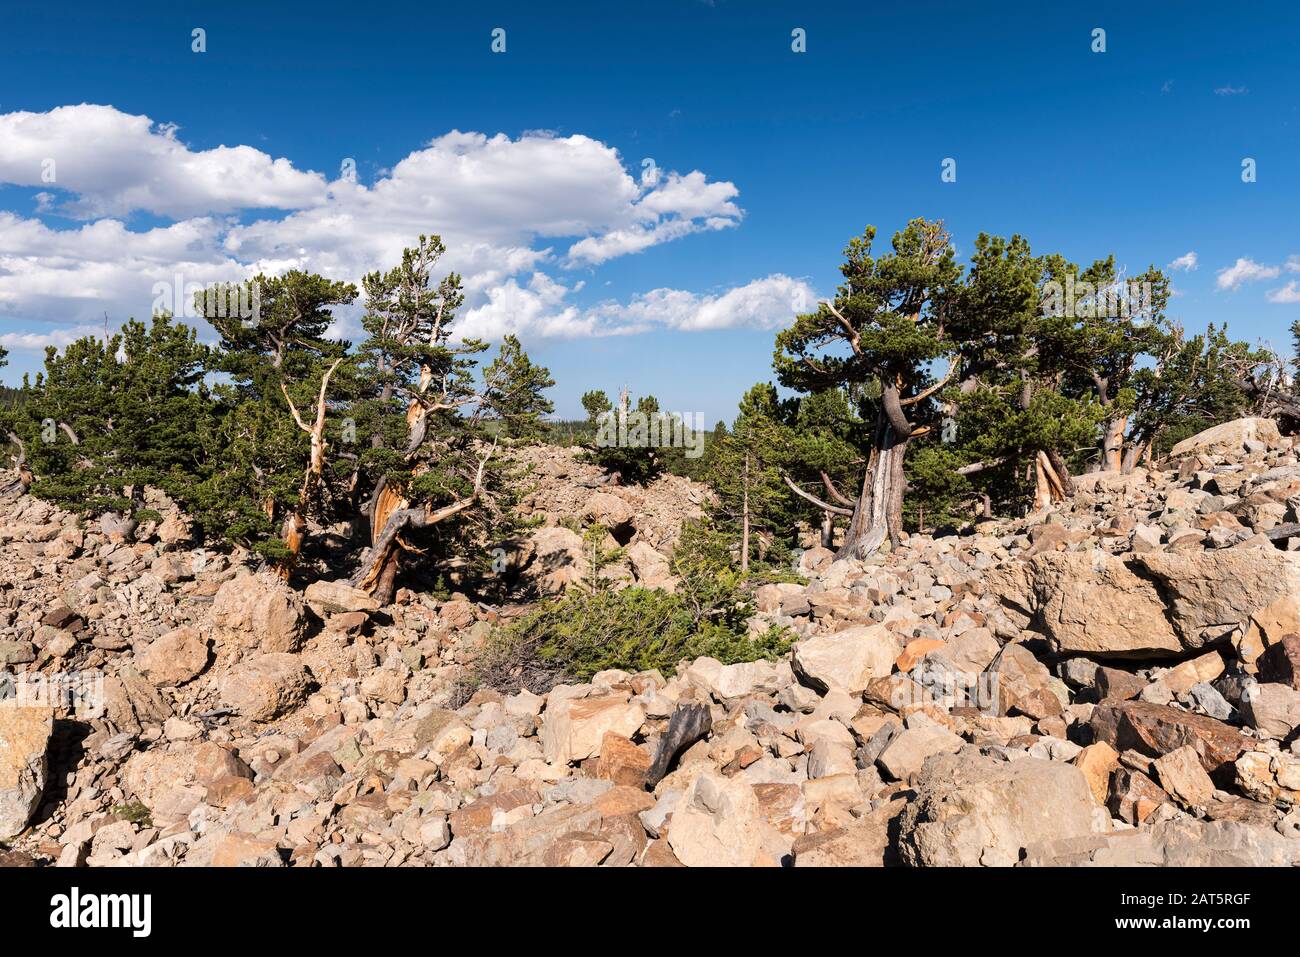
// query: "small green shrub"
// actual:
[[135, 812], [632, 629]]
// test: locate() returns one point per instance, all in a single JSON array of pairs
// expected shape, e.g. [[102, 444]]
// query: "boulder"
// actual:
[[553, 559], [1229, 437], [1182, 842], [1270, 777], [1182, 775], [338, 597], [847, 660], [972, 810], [906, 753], [1156, 729], [609, 510], [1134, 797], [1145, 604], [650, 567], [716, 823], [174, 658], [259, 611], [1273, 710], [573, 728], [1280, 663], [24, 738], [1097, 761], [1085, 603], [267, 686], [734, 681]]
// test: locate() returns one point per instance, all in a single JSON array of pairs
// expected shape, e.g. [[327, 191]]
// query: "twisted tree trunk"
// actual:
[[878, 513]]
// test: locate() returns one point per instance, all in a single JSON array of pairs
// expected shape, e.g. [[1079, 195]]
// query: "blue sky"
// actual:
[[1135, 151]]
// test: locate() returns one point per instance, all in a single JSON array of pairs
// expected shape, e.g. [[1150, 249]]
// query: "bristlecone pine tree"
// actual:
[[270, 454], [890, 314], [433, 462]]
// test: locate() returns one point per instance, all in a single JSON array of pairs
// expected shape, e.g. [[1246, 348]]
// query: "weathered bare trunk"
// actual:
[[878, 513], [828, 530], [1112, 444], [1051, 481], [1134, 453], [294, 528]]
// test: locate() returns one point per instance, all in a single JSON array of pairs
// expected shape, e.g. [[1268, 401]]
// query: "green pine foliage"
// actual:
[[106, 418], [634, 629]]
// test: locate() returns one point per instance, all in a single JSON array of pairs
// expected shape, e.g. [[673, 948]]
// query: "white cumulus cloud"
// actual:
[[1245, 270], [511, 212]]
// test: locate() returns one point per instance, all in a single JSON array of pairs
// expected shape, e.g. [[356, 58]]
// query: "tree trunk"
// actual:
[[1112, 445], [828, 530], [1050, 485], [1134, 454], [878, 513]]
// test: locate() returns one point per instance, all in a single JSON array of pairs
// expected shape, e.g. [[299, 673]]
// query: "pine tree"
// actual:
[[746, 473], [626, 443], [106, 418], [890, 314], [432, 467], [271, 449]]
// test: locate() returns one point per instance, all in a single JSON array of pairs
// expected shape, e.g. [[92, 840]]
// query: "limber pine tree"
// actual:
[[885, 326]]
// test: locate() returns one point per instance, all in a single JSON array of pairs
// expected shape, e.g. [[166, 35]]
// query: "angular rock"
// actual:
[[1229, 437], [1155, 730], [971, 810], [24, 739], [716, 823], [259, 611], [338, 597], [1181, 775], [1097, 761], [1270, 777], [847, 660], [267, 686], [174, 658], [1133, 796], [572, 729], [906, 754], [1175, 843], [1280, 663], [1273, 710]]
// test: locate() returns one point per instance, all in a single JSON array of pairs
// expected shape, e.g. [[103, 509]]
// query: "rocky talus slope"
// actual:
[[1114, 682]]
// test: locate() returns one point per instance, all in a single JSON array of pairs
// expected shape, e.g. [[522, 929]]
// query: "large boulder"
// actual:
[[337, 598], [1229, 437], [174, 658], [716, 823], [1085, 603], [552, 558], [573, 728], [1144, 604], [1156, 729], [973, 810], [267, 686], [259, 611], [1209, 594], [24, 737], [650, 567], [847, 660], [1182, 842]]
